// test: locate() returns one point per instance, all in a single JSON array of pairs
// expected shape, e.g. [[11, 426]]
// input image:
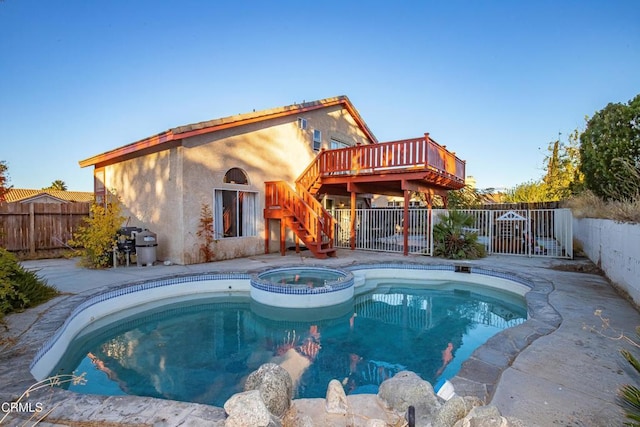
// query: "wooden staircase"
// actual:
[[303, 214]]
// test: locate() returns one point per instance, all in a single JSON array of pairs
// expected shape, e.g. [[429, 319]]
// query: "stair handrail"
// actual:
[[314, 219], [312, 172]]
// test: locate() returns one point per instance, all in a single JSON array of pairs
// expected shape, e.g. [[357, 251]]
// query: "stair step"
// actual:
[[326, 250]]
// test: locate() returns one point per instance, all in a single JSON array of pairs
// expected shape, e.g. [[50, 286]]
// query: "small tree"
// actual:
[[98, 235], [467, 197], [4, 180], [528, 192], [205, 232], [562, 177]]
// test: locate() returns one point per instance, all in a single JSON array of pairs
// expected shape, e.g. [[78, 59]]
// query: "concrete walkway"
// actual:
[[566, 374]]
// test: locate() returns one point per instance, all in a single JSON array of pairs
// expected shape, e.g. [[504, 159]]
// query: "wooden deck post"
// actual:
[[283, 231], [267, 236], [352, 232], [405, 222]]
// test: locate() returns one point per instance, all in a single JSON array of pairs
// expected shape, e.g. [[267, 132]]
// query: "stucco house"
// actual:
[[163, 181]]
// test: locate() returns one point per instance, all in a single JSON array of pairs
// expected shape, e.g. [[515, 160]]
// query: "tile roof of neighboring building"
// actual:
[[24, 194], [176, 134]]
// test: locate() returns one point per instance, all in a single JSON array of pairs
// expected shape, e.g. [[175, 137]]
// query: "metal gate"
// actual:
[[524, 232]]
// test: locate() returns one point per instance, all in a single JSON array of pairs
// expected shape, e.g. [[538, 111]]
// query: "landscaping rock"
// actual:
[[487, 416], [275, 387], [408, 389], [453, 410], [336, 401], [248, 409]]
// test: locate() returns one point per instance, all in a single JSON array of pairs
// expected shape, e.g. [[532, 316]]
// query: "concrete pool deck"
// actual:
[[566, 374]]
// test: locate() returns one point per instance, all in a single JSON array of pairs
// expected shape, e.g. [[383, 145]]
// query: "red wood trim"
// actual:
[[150, 142]]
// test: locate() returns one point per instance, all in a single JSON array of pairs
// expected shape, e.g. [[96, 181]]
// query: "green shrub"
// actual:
[[610, 149], [98, 235], [452, 238], [20, 288]]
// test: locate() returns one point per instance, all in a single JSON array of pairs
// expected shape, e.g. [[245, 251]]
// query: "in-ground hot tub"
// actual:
[[302, 287]]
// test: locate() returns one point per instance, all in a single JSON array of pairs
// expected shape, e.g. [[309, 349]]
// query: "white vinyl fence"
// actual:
[[534, 232]]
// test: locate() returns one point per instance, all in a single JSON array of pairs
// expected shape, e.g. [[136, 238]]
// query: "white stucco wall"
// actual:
[[150, 189], [615, 248], [165, 190]]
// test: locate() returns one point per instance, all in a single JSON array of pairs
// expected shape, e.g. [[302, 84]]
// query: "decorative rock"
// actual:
[[247, 409], [376, 423], [487, 416], [453, 410], [305, 421], [336, 401], [515, 422], [472, 402], [275, 387], [408, 389], [484, 412]]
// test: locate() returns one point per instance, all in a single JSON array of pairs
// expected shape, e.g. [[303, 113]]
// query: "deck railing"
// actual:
[[396, 156]]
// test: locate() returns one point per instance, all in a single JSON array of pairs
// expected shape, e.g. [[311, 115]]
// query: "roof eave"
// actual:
[[182, 132]]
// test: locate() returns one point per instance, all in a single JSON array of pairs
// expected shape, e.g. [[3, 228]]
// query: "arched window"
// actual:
[[236, 176]]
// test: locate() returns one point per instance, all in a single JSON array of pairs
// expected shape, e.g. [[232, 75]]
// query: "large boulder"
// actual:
[[406, 389], [248, 409], [275, 387]]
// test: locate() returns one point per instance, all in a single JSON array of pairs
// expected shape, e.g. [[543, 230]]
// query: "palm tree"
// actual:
[[58, 184], [454, 238], [629, 394]]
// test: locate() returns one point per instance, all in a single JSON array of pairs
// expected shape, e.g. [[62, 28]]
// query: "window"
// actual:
[[236, 176], [235, 213], [99, 189], [317, 139], [334, 143], [302, 123]]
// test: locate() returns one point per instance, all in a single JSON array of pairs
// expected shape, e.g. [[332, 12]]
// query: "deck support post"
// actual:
[[352, 220], [283, 236], [267, 236], [405, 222]]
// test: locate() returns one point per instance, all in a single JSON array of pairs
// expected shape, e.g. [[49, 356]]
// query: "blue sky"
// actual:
[[495, 81]]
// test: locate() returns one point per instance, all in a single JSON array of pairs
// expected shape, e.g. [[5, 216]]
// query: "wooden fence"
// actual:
[[37, 227]]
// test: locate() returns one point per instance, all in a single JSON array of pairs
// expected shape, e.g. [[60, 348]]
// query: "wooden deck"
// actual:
[[394, 168]]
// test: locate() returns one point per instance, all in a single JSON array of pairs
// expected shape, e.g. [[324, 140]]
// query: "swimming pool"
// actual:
[[399, 325]]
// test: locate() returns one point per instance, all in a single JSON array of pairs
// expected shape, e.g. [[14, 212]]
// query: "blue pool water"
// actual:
[[201, 351]]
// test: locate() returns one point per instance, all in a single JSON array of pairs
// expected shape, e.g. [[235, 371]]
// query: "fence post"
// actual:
[[32, 229]]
